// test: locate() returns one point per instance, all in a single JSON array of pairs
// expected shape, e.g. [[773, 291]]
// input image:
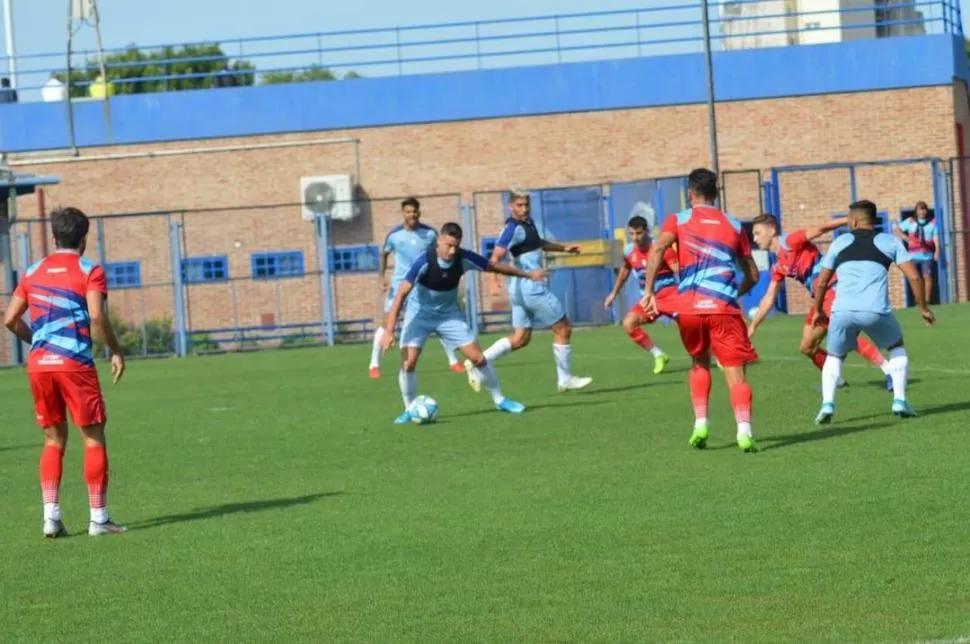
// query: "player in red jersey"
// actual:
[[800, 259], [635, 261], [711, 246], [65, 295]]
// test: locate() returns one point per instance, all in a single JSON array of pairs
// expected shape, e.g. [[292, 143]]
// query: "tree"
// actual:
[[312, 73], [167, 62]]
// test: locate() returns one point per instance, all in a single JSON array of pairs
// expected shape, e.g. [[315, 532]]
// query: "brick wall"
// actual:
[[245, 189]]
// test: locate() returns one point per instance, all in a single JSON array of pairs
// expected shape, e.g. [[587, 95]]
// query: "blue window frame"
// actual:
[[488, 245], [354, 259], [288, 263], [198, 270], [882, 221], [123, 274]]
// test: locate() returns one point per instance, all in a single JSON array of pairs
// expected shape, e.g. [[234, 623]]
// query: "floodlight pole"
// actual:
[[11, 45], [711, 109]]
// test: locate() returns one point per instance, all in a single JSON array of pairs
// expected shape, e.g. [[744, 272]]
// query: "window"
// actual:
[[354, 259], [488, 245], [123, 274], [197, 270], [279, 264]]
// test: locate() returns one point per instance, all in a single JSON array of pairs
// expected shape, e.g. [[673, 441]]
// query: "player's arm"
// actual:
[[812, 234], [667, 238], [767, 303], [382, 269], [512, 271], [13, 319], [621, 279], [553, 247], [97, 296], [402, 294], [748, 266]]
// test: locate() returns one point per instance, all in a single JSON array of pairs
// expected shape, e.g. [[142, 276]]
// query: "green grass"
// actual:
[[270, 498]]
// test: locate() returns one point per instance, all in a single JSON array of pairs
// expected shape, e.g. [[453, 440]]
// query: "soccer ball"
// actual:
[[423, 410]]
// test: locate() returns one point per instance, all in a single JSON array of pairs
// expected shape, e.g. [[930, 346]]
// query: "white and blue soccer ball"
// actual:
[[423, 410]]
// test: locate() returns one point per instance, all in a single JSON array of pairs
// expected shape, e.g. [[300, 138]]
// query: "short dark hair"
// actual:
[[864, 207], [452, 230], [70, 227], [765, 218], [703, 182], [637, 222], [411, 201]]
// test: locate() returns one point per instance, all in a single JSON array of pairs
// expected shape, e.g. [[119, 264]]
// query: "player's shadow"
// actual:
[[17, 448], [212, 512], [776, 442], [945, 408], [639, 385], [529, 408]]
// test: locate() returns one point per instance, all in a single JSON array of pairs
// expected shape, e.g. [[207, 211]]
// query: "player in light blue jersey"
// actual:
[[433, 308], [533, 304], [861, 259], [406, 242]]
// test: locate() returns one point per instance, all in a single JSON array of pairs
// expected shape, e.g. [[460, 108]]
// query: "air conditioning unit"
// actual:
[[331, 196]]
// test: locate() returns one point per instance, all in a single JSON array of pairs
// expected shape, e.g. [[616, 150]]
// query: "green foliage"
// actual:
[[154, 338], [310, 74], [180, 61], [201, 343], [300, 341]]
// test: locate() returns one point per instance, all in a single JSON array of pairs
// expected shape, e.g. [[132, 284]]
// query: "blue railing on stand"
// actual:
[[649, 31]]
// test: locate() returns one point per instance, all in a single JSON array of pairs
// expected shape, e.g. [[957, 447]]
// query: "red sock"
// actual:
[[640, 336], [700, 390], [51, 467], [741, 402], [818, 358], [870, 352], [96, 475]]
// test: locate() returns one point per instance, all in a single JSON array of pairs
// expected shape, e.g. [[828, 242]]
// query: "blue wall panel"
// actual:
[[863, 65]]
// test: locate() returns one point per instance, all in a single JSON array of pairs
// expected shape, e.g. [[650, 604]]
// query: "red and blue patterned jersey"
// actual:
[[55, 290], [799, 259], [710, 243], [635, 258]]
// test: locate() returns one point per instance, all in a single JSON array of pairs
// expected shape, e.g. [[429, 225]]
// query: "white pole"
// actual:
[[11, 46]]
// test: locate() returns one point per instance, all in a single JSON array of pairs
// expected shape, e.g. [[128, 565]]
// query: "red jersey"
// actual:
[[55, 290], [799, 259], [635, 258], [710, 244]]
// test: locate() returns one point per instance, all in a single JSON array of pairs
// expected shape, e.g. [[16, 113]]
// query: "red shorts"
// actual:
[[725, 335], [665, 302], [826, 306], [57, 392]]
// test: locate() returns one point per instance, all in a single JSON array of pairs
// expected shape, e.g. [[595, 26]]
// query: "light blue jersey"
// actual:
[[533, 304], [861, 260], [406, 246], [921, 238], [433, 304]]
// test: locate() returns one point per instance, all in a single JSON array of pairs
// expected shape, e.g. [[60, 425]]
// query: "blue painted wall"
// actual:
[[643, 82]]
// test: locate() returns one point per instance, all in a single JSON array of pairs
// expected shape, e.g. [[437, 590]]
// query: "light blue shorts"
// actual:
[[453, 331], [538, 309], [845, 326]]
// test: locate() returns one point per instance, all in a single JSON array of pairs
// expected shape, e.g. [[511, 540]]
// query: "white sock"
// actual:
[[99, 515], [52, 511], [744, 430], [899, 371], [562, 353], [699, 422], [490, 380], [498, 349], [656, 351], [452, 358], [831, 373], [886, 369], [375, 352], [408, 380]]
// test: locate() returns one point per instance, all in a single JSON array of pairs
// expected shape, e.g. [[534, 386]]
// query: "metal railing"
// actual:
[[672, 28]]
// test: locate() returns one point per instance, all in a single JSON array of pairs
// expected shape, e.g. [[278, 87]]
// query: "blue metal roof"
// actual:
[[26, 183]]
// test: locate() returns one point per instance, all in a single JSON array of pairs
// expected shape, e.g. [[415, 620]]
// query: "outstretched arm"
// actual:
[[512, 271], [814, 233], [621, 279], [767, 303], [553, 247]]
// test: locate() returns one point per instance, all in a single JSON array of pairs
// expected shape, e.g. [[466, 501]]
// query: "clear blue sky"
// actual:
[[40, 26]]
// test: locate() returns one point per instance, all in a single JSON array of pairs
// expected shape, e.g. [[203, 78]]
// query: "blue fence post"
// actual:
[[942, 219], [322, 225], [471, 284], [609, 221], [853, 186], [175, 245]]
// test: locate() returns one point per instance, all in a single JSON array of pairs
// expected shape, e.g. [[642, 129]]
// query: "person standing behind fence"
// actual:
[[65, 295], [407, 242], [919, 233]]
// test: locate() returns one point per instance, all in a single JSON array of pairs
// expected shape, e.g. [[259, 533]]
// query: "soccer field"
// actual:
[[270, 497]]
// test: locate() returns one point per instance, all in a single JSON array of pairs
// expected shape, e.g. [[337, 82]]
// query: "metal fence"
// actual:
[[662, 29], [264, 277]]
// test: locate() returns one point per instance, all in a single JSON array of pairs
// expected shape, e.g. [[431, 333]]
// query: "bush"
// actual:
[[202, 343], [156, 338]]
